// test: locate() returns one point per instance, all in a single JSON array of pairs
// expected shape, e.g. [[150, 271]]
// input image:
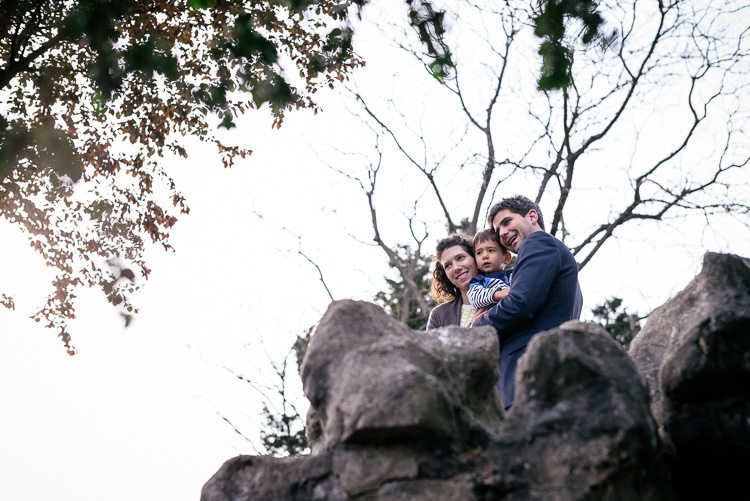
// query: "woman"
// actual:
[[454, 268]]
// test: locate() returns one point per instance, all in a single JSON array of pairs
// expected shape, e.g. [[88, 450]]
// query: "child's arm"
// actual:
[[482, 294]]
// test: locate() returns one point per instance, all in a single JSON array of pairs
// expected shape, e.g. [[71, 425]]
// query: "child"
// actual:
[[494, 284]]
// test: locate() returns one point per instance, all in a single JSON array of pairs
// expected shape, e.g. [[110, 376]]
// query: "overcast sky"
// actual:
[[134, 414]]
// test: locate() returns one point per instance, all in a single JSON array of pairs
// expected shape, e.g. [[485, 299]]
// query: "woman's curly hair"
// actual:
[[442, 289]]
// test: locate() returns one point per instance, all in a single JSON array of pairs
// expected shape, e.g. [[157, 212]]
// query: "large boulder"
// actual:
[[261, 478], [695, 352], [580, 427], [371, 379], [398, 414], [392, 411], [410, 415]]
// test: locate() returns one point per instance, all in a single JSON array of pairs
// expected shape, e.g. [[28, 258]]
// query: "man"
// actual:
[[544, 289]]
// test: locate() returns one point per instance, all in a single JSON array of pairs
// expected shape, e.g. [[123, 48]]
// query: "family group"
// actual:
[[474, 288]]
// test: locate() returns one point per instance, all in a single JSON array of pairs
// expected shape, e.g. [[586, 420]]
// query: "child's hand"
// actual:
[[498, 295]]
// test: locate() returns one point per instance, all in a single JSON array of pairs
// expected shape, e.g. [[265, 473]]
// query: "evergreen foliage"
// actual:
[[613, 316], [300, 346], [284, 434], [395, 298], [279, 436]]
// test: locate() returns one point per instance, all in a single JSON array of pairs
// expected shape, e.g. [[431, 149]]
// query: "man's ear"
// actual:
[[532, 216]]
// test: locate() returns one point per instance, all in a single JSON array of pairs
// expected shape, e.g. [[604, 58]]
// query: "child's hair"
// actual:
[[487, 235]]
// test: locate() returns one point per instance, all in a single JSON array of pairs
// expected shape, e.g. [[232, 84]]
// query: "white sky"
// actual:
[[132, 416]]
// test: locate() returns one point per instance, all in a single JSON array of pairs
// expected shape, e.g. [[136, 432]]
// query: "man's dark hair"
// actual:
[[487, 236], [518, 204]]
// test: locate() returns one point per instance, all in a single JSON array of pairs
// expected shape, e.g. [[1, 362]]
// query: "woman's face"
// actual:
[[459, 265]]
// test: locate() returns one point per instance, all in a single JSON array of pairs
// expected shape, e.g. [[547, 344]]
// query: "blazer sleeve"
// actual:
[[536, 269]]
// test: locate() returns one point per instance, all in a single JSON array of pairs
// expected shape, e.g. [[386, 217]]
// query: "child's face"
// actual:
[[490, 257]]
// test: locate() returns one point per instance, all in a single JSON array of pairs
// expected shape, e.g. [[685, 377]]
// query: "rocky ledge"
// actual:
[[397, 414]]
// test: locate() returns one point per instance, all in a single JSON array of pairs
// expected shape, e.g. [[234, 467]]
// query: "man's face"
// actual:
[[513, 228], [490, 257]]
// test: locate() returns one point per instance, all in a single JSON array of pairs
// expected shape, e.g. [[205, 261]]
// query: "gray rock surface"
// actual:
[[695, 351], [722, 288], [408, 415], [580, 427], [371, 379], [268, 478]]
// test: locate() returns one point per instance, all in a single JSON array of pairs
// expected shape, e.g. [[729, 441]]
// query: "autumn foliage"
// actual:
[[95, 94]]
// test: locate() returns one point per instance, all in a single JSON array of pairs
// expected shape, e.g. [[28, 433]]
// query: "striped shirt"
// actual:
[[481, 288]]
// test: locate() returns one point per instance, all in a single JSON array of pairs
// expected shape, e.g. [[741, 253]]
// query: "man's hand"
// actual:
[[479, 313]]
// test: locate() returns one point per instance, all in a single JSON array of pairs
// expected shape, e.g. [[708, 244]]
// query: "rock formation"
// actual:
[[398, 414], [695, 353]]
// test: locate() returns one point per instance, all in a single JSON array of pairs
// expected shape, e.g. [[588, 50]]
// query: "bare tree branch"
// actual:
[[307, 258], [683, 64], [428, 173]]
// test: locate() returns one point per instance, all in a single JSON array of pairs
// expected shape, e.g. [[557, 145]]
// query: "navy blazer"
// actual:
[[544, 293]]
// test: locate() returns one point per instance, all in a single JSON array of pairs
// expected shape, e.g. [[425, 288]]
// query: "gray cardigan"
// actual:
[[445, 314]]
